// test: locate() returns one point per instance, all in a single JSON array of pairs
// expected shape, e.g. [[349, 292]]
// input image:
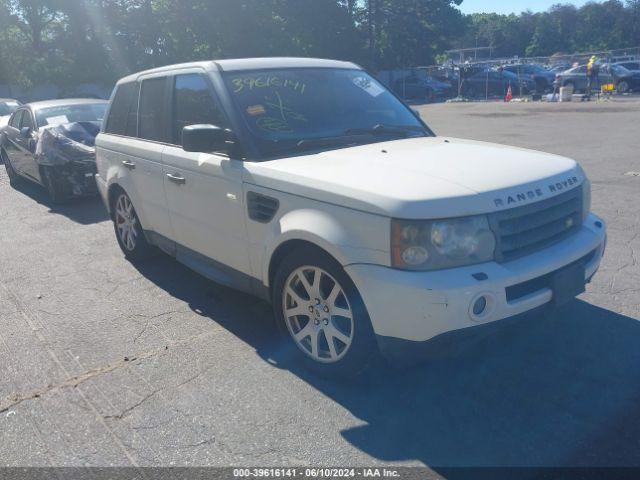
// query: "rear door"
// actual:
[[135, 136], [204, 191], [12, 132]]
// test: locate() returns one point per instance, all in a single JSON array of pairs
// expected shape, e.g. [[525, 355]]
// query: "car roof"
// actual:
[[3, 100], [243, 64], [63, 103]]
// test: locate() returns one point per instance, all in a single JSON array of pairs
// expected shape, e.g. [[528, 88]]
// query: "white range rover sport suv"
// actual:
[[308, 183]]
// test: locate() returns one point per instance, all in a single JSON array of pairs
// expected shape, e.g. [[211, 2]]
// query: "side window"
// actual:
[[123, 113], [151, 114], [16, 119], [26, 121], [193, 104]]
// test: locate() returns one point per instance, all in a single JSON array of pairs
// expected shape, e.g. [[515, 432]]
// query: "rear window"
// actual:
[[54, 116], [7, 108], [124, 111]]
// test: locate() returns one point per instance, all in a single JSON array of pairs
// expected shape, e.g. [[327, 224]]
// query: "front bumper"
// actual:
[[418, 306], [76, 178]]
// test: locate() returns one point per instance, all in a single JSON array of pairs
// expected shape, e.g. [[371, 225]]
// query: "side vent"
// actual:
[[261, 208]]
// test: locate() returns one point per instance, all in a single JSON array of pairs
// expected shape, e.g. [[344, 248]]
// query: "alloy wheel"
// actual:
[[318, 315], [126, 222]]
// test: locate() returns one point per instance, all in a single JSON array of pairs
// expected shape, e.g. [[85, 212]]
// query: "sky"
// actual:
[[512, 6]]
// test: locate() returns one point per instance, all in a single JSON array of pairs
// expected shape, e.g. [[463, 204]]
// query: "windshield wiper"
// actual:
[[380, 129], [351, 137], [347, 139]]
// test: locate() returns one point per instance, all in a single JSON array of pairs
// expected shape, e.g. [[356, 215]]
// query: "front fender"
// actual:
[[348, 236]]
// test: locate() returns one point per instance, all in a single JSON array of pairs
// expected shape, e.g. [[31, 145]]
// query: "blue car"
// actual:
[[423, 88], [495, 83]]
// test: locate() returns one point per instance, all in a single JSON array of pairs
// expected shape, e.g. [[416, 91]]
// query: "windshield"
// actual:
[[53, 116], [7, 108], [292, 110]]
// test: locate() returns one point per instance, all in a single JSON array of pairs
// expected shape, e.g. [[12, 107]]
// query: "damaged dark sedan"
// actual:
[[52, 143]]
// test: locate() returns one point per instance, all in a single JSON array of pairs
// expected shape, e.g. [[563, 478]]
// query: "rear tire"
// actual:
[[320, 312], [14, 178], [129, 231], [54, 186], [623, 87]]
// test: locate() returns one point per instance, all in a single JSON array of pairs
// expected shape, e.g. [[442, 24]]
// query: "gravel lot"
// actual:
[[104, 363]]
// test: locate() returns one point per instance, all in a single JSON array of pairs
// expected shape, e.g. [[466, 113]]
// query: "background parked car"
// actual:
[[543, 78], [633, 67], [7, 107], [496, 83], [421, 88], [559, 68], [622, 78], [53, 144]]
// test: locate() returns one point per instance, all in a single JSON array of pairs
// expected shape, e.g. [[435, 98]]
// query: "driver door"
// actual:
[[26, 147], [204, 191]]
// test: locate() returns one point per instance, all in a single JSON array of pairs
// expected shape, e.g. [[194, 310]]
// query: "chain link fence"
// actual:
[[471, 74]]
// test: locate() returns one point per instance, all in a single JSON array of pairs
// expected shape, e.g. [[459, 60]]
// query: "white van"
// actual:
[[308, 183]]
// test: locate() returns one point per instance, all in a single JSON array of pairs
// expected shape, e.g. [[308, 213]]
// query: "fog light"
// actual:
[[480, 306]]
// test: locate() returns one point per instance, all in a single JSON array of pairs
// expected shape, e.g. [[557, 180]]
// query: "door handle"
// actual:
[[129, 165], [177, 179]]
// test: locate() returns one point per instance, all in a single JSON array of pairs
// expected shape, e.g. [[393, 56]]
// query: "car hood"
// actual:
[[434, 177], [4, 121]]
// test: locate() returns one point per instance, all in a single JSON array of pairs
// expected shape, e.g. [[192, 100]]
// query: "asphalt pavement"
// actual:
[[103, 363]]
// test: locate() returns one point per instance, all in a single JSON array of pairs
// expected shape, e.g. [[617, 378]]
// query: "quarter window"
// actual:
[[194, 104], [124, 109], [151, 120]]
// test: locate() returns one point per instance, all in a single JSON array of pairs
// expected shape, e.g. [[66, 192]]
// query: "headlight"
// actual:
[[586, 199], [439, 244]]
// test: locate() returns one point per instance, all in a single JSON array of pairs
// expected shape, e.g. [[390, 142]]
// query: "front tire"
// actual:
[[54, 186], [320, 311], [128, 229]]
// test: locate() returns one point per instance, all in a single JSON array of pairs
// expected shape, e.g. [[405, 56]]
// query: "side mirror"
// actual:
[[205, 139], [25, 132]]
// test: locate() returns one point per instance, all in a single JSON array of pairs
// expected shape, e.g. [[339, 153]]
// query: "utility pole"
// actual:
[[372, 16]]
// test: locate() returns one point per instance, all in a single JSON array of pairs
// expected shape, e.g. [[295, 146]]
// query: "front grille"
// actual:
[[524, 230]]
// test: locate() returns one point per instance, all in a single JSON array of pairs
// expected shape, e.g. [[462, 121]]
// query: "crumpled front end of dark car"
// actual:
[[68, 152]]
